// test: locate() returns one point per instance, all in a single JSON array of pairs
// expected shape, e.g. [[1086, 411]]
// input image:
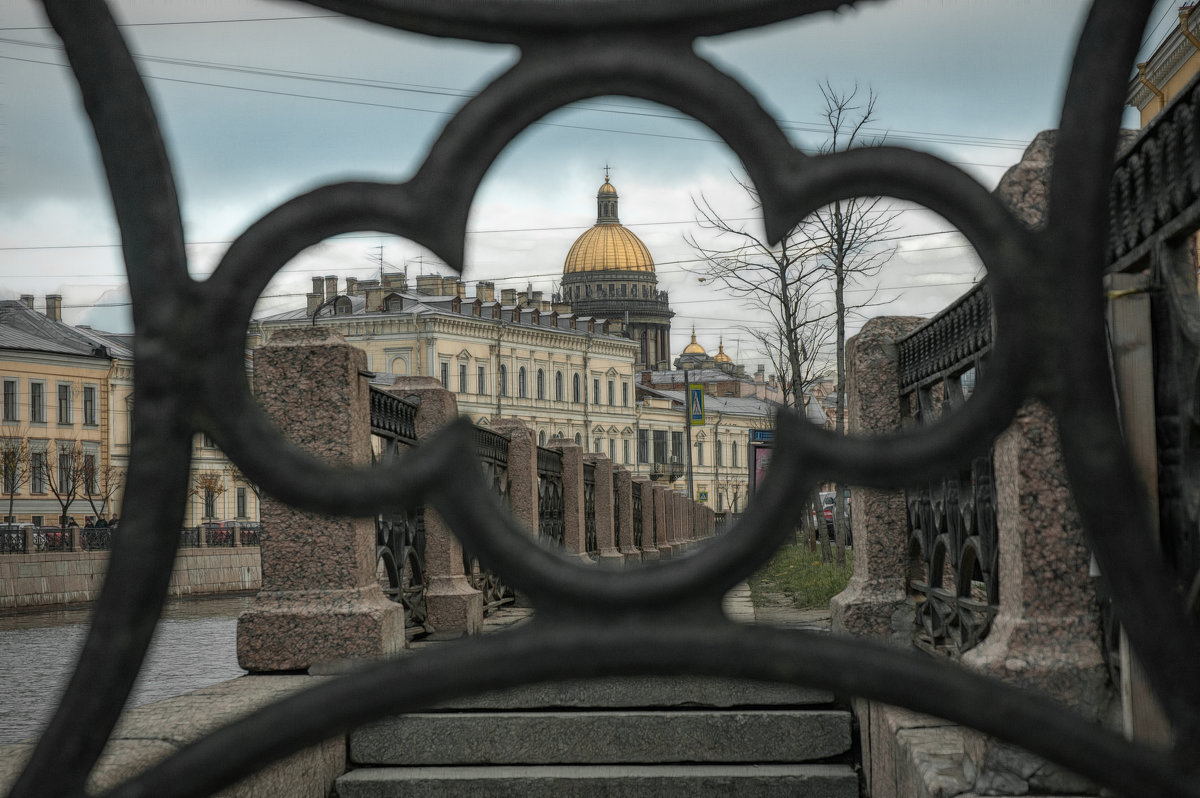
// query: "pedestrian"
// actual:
[[112, 521], [101, 523], [87, 522]]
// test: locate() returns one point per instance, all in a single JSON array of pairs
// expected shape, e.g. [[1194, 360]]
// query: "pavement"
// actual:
[[775, 609]]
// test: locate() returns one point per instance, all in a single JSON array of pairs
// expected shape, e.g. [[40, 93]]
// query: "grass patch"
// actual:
[[799, 574]]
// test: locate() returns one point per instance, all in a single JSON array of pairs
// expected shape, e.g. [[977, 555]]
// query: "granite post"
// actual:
[[874, 604], [649, 526], [320, 600], [1046, 634], [574, 541], [606, 540], [454, 605], [623, 487], [661, 530], [522, 471]]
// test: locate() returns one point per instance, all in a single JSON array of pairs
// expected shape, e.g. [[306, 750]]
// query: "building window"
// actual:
[[462, 377], [64, 403], [660, 446], [68, 480], [596, 446], [717, 451], [699, 454], [625, 394], [89, 405], [643, 438], [542, 438], [241, 503], [481, 380], [37, 471], [595, 392], [578, 439], [503, 380], [625, 450], [612, 450], [558, 386], [37, 402], [541, 384], [10, 412], [522, 387], [612, 393], [733, 454], [446, 376], [210, 503], [676, 447], [206, 441], [575, 395], [89, 474]]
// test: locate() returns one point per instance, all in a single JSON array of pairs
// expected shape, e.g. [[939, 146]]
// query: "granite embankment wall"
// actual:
[[68, 577]]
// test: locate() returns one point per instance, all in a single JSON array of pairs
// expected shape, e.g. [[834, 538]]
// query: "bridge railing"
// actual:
[[550, 504]]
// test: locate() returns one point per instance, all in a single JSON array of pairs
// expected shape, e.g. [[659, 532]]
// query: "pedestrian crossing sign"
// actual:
[[696, 404]]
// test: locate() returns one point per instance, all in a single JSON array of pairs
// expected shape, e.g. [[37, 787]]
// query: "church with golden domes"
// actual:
[[609, 273]]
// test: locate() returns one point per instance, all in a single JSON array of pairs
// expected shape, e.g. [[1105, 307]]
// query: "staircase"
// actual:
[[659, 736]]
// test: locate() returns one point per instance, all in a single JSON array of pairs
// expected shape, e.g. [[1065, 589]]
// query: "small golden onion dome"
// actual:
[[721, 356], [606, 187], [694, 348], [608, 247]]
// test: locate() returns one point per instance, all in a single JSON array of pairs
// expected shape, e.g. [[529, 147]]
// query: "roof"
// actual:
[[734, 405], [608, 246], [24, 329]]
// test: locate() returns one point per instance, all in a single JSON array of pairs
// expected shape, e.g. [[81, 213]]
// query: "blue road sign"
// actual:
[[696, 405]]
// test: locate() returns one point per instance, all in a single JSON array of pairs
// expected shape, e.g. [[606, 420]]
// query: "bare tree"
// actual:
[[15, 464], [208, 485], [62, 475], [801, 281], [100, 483]]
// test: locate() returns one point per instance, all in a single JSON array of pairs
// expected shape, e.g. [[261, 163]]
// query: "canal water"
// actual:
[[195, 646]]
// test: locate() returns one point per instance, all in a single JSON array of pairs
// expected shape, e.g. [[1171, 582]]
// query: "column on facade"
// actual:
[[876, 592], [320, 599], [454, 605]]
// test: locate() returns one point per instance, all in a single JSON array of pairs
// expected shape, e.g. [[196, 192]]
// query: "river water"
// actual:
[[194, 646]]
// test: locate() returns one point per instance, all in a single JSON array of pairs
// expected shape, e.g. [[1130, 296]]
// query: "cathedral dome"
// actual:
[[721, 357], [608, 246], [693, 348]]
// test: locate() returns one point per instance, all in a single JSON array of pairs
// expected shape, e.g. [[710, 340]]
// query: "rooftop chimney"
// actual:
[[485, 292], [352, 286], [314, 300], [429, 284], [319, 288], [27, 300], [330, 286], [54, 307], [508, 296]]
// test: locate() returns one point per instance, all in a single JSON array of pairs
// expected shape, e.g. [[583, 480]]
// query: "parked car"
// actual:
[[219, 533], [827, 501]]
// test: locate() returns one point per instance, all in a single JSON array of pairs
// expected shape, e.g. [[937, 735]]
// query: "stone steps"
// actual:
[[612, 737]]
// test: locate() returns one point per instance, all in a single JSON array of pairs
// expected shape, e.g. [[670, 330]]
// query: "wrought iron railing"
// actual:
[[638, 524], [190, 338], [550, 497], [392, 417], [952, 545], [54, 538], [12, 540], [95, 538], [590, 544], [492, 450]]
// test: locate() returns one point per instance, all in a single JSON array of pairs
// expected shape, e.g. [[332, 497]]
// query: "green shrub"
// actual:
[[799, 573]]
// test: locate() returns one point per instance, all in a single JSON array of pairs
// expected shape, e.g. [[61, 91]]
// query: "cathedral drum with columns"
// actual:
[[609, 273]]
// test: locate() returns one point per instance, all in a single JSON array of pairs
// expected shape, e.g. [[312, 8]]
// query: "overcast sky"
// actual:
[[263, 99]]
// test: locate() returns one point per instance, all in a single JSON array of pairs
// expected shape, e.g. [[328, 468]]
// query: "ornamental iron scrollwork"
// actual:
[[1049, 343], [590, 544], [953, 574], [492, 450], [551, 509], [636, 502]]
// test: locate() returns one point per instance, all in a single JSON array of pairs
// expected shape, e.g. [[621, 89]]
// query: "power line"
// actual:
[[197, 22]]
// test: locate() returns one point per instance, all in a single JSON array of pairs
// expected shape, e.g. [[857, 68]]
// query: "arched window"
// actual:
[[542, 438], [522, 383], [558, 386], [503, 380], [541, 384], [733, 453], [578, 439], [575, 397]]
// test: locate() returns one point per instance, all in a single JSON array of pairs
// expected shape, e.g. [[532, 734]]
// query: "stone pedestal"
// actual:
[[606, 540], [522, 471], [454, 605], [574, 542], [649, 519], [320, 600], [874, 604], [623, 487], [1046, 635], [662, 529]]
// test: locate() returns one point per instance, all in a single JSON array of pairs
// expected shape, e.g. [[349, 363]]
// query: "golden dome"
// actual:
[[607, 187], [605, 247], [694, 348], [721, 356]]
